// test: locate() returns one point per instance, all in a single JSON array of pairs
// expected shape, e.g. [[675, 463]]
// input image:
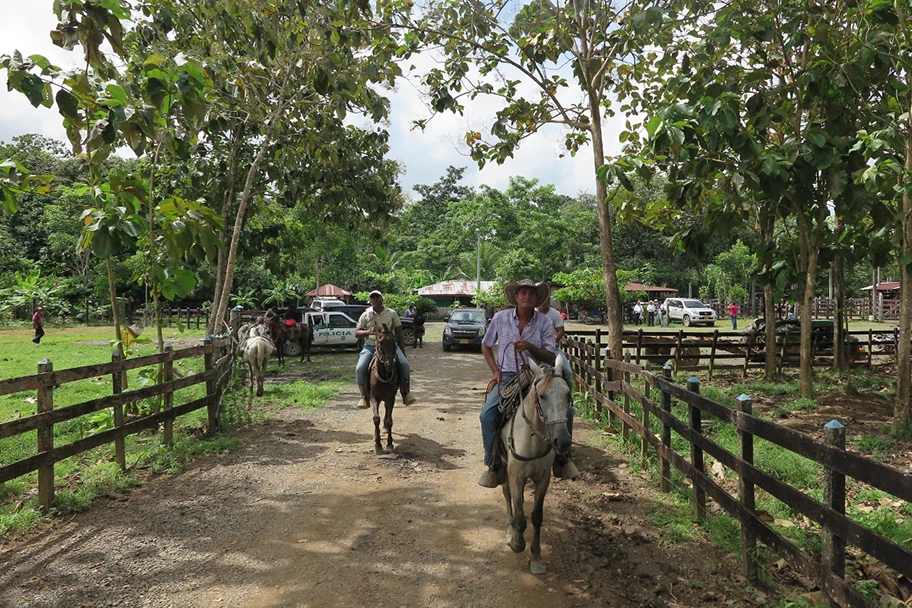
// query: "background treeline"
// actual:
[[527, 230]]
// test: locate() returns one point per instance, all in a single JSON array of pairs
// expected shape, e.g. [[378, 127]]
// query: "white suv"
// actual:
[[689, 312]]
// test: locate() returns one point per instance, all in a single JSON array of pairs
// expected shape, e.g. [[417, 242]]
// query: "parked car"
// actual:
[[689, 312], [465, 327], [333, 329]]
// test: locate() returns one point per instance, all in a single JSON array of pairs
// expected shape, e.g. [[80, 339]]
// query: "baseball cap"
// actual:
[[375, 294]]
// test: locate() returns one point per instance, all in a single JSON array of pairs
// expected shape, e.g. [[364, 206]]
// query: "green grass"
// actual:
[[800, 404], [174, 458], [875, 447], [82, 478]]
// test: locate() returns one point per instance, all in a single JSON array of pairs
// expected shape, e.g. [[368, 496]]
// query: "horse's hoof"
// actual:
[[537, 566], [518, 544], [389, 449], [378, 450]]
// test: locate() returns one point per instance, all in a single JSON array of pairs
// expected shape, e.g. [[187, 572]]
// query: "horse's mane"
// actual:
[[547, 377]]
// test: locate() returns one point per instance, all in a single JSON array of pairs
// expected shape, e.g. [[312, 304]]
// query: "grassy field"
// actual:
[[78, 480]]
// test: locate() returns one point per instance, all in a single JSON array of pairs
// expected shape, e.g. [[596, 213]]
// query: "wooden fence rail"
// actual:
[[688, 349], [593, 370], [197, 318], [219, 359]]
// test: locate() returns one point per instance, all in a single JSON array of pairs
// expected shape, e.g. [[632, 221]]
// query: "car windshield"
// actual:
[[694, 304], [467, 316]]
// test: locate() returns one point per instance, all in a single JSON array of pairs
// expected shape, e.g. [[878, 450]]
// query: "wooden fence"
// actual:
[[821, 308], [606, 380], [688, 349], [195, 318], [216, 353]]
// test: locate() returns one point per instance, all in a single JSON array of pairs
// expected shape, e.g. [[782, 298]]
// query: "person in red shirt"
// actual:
[[38, 324], [733, 313]]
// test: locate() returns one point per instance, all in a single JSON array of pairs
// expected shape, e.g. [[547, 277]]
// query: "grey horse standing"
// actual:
[[532, 435]]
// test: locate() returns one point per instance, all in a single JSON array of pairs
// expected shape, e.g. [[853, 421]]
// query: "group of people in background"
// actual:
[[646, 313]]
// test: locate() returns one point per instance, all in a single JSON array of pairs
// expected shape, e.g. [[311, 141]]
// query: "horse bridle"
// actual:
[[388, 364], [545, 438]]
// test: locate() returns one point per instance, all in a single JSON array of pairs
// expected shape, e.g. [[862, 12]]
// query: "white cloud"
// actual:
[[425, 155]]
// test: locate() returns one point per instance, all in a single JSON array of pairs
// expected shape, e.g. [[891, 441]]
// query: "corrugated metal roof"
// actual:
[[454, 288], [887, 286], [328, 290], [641, 287]]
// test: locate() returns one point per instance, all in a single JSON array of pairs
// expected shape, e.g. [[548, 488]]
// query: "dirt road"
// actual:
[[306, 515]]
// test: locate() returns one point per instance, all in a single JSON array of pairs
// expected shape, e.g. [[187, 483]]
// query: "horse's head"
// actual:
[[386, 342], [552, 394]]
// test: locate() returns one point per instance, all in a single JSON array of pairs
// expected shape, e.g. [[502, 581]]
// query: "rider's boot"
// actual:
[[407, 397], [563, 467], [365, 398]]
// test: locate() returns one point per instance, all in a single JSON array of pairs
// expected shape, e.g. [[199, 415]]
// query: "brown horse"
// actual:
[[288, 337], [384, 382]]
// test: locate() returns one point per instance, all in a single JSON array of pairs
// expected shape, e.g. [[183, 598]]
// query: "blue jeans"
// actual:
[[734, 321], [362, 369], [489, 414]]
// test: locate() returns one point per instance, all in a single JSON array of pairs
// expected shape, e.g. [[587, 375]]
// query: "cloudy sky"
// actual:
[[424, 155]]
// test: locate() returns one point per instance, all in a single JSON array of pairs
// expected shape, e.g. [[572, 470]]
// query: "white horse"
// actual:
[[532, 435], [255, 352]]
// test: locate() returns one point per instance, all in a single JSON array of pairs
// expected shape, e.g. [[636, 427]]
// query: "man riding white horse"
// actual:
[[521, 332], [368, 328]]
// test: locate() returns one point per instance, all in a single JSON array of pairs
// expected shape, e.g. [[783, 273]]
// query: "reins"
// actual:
[[378, 359], [514, 389]]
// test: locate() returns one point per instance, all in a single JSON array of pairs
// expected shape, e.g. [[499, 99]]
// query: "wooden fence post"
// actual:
[[644, 445], [751, 341], [598, 373], [696, 453], [120, 445], [625, 428], [749, 559], [870, 346], [45, 440], [832, 548], [678, 348], [168, 376], [712, 353], [212, 407], [639, 344], [666, 433], [590, 363]]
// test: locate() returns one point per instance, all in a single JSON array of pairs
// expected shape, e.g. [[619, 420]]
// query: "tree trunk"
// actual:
[[769, 316], [222, 262], [766, 226], [112, 291], [609, 268], [840, 351], [806, 364], [220, 314], [902, 409]]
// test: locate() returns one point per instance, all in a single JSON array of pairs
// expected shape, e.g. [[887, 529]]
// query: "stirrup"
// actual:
[[566, 470], [488, 479]]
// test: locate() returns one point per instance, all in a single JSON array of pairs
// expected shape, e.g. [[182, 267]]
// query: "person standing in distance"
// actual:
[[733, 311], [38, 324]]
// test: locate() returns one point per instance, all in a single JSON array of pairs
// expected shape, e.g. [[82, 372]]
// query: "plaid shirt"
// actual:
[[504, 329]]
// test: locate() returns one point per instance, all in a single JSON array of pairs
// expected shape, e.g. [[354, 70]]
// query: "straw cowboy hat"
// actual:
[[542, 291]]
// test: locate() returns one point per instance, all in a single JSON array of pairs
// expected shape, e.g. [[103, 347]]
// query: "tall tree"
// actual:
[[574, 55]]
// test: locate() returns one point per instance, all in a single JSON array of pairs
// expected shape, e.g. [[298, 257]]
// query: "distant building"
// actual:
[[445, 293], [330, 290]]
